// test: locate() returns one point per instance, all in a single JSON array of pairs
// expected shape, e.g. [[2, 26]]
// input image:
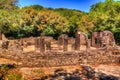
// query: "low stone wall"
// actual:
[[51, 59]]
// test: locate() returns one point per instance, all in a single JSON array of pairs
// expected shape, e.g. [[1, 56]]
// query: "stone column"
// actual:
[[37, 45], [77, 42], [48, 45], [87, 43], [94, 39], [99, 39], [63, 42], [42, 44], [60, 42]]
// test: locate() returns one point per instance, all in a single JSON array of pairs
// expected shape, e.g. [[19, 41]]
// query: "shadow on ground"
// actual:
[[87, 73]]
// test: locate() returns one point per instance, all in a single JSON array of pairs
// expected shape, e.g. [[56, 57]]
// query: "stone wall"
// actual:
[[101, 39], [51, 59]]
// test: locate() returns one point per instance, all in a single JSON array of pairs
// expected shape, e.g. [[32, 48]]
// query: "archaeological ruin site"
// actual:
[[45, 51], [59, 58]]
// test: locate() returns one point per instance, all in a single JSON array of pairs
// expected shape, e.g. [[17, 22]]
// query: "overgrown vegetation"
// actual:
[[12, 75], [36, 19], [7, 72]]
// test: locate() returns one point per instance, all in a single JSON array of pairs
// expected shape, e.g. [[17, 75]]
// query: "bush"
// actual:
[[13, 76]]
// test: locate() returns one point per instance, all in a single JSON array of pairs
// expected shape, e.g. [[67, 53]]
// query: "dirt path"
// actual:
[[109, 69]]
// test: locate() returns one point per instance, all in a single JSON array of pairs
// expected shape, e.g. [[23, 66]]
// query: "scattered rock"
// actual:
[[87, 73]]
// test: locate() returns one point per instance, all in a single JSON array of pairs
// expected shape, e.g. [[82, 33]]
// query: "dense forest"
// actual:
[[34, 20]]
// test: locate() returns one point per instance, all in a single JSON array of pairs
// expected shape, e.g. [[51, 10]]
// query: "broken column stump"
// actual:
[[37, 44], [48, 45], [63, 42], [65, 46], [96, 39], [42, 44], [77, 41]]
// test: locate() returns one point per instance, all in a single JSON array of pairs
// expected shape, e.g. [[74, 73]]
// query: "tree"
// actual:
[[50, 20], [37, 7], [46, 21], [106, 16], [73, 17], [8, 4], [10, 22], [85, 24]]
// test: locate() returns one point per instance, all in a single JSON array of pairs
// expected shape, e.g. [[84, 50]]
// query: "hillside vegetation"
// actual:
[[34, 20]]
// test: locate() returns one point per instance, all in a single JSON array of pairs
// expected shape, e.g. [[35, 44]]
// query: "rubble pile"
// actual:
[[87, 73]]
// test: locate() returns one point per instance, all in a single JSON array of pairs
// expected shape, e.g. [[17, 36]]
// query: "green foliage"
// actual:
[[37, 7], [4, 70], [73, 17], [13, 76], [39, 72], [10, 22], [8, 4], [106, 16], [36, 19], [7, 73], [49, 31]]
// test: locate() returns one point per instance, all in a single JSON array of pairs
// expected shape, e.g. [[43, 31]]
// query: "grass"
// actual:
[[7, 72], [13, 76]]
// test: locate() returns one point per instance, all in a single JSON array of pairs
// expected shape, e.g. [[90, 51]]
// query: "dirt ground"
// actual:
[[109, 69], [35, 72]]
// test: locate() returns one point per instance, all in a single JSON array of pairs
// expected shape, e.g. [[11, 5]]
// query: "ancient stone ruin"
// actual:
[[102, 39], [46, 51]]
